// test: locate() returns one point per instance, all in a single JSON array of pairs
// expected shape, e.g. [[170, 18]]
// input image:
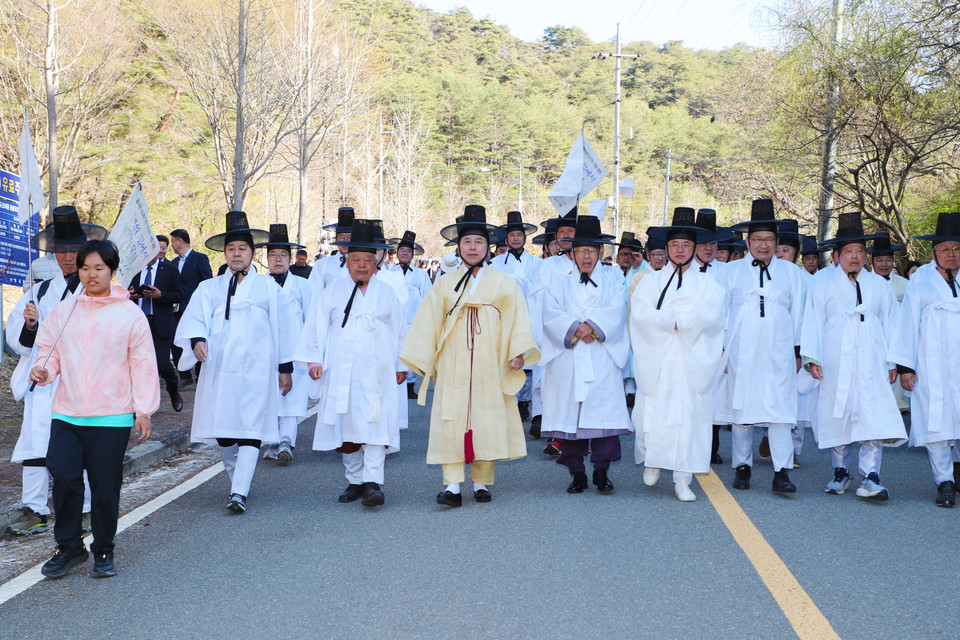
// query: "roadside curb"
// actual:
[[137, 459]]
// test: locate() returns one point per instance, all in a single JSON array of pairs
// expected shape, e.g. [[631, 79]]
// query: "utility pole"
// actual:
[[616, 126], [666, 187], [828, 167]]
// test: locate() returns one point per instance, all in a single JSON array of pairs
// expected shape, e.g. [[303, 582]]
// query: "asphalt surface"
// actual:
[[536, 562]]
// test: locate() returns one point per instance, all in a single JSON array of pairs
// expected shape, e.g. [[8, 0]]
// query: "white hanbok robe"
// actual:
[[302, 294], [721, 388], [357, 390], [760, 350], [583, 385], [398, 283], [681, 345], [237, 390], [328, 270], [418, 283], [37, 412], [856, 402], [524, 271], [927, 340]]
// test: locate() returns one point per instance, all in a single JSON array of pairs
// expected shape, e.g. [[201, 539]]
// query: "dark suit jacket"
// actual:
[[167, 280], [195, 270]]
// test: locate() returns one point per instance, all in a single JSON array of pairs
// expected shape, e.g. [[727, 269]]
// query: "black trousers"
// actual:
[[165, 368], [100, 451]]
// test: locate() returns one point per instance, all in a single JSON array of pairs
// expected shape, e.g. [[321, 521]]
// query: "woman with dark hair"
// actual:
[[104, 344], [912, 266]]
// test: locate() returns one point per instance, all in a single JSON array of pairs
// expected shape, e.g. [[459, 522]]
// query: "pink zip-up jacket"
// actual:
[[105, 357]]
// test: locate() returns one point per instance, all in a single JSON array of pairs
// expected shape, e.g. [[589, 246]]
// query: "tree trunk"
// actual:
[[239, 179], [50, 88], [302, 204]]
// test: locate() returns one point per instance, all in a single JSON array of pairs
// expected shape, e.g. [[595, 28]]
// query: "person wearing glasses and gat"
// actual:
[[761, 342]]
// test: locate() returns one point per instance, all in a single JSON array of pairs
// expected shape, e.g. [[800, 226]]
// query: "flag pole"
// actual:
[[43, 365]]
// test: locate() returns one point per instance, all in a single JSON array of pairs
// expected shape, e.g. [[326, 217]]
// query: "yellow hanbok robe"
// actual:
[[465, 347]]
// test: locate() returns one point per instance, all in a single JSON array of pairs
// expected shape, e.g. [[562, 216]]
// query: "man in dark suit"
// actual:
[[194, 268], [157, 289]]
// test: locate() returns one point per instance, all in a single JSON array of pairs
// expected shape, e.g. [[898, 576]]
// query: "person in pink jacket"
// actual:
[[108, 385]]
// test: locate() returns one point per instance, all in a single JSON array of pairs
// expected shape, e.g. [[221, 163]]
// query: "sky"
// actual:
[[701, 24]]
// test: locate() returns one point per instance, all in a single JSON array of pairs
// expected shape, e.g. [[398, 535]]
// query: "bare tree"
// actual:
[[410, 166], [69, 65], [226, 53]]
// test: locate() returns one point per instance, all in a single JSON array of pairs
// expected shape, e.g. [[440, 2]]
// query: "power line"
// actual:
[[642, 21], [670, 22], [719, 22], [634, 16]]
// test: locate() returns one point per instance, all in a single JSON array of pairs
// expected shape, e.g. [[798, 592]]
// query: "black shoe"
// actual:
[[450, 498], [237, 503], [411, 392], [177, 402], [781, 482], [579, 484], [601, 480], [946, 494], [103, 566], [716, 459], [63, 561], [631, 400], [535, 427], [372, 496], [524, 408], [742, 479], [351, 493], [482, 495]]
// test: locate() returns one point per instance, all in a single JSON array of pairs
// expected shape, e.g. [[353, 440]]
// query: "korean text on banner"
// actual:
[[581, 175], [134, 238]]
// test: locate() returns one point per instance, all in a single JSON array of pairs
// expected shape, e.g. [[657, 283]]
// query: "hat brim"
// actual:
[[745, 226], [333, 226], [452, 232], [552, 224], [219, 241], [603, 239], [45, 241], [935, 238], [889, 251], [863, 239], [702, 235], [396, 242], [280, 244], [527, 227], [362, 245]]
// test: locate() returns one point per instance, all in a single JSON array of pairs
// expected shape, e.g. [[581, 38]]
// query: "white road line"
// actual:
[[32, 576]]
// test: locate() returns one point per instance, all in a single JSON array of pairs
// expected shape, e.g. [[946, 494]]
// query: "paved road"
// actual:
[[536, 562]]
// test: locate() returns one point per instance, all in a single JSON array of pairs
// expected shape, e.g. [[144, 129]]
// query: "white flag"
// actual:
[[598, 208], [134, 238], [32, 199], [626, 188], [581, 175]]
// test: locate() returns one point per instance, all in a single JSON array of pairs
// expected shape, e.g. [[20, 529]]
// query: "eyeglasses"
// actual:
[[753, 240], [585, 251], [277, 255], [680, 244], [946, 250]]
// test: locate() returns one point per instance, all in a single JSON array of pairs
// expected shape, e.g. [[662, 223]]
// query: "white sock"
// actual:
[[243, 474], [229, 455], [479, 487], [453, 488]]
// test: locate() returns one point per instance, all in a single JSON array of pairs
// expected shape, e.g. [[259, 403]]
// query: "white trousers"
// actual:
[[682, 476], [941, 458], [536, 402], [797, 434], [365, 465], [36, 486], [288, 430], [779, 437], [240, 464], [871, 454]]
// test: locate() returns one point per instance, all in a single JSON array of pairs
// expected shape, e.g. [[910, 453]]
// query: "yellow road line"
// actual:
[[805, 617]]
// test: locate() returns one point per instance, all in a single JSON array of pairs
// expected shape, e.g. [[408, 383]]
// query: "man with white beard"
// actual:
[[846, 326]]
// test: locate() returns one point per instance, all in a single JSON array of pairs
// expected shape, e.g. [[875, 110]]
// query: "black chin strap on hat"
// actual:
[[856, 283], [232, 289], [466, 276], [585, 278], [677, 271], [343, 259], [346, 310], [951, 277], [516, 253], [279, 277], [763, 270], [704, 267]]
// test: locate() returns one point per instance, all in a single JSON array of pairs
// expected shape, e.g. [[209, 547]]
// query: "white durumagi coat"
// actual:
[[583, 385], [524, 271], [357, 391], [927, 340], [35, 430], [856, 402], [680, 346], [237, 390], [396, 281], [760, 349], [418, 283], [328, 270], [302, 294], [721, 390]]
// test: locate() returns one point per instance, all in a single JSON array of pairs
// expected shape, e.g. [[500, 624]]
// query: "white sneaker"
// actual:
[[284, 452], [684, 494], [271, 452], [650, 476]]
